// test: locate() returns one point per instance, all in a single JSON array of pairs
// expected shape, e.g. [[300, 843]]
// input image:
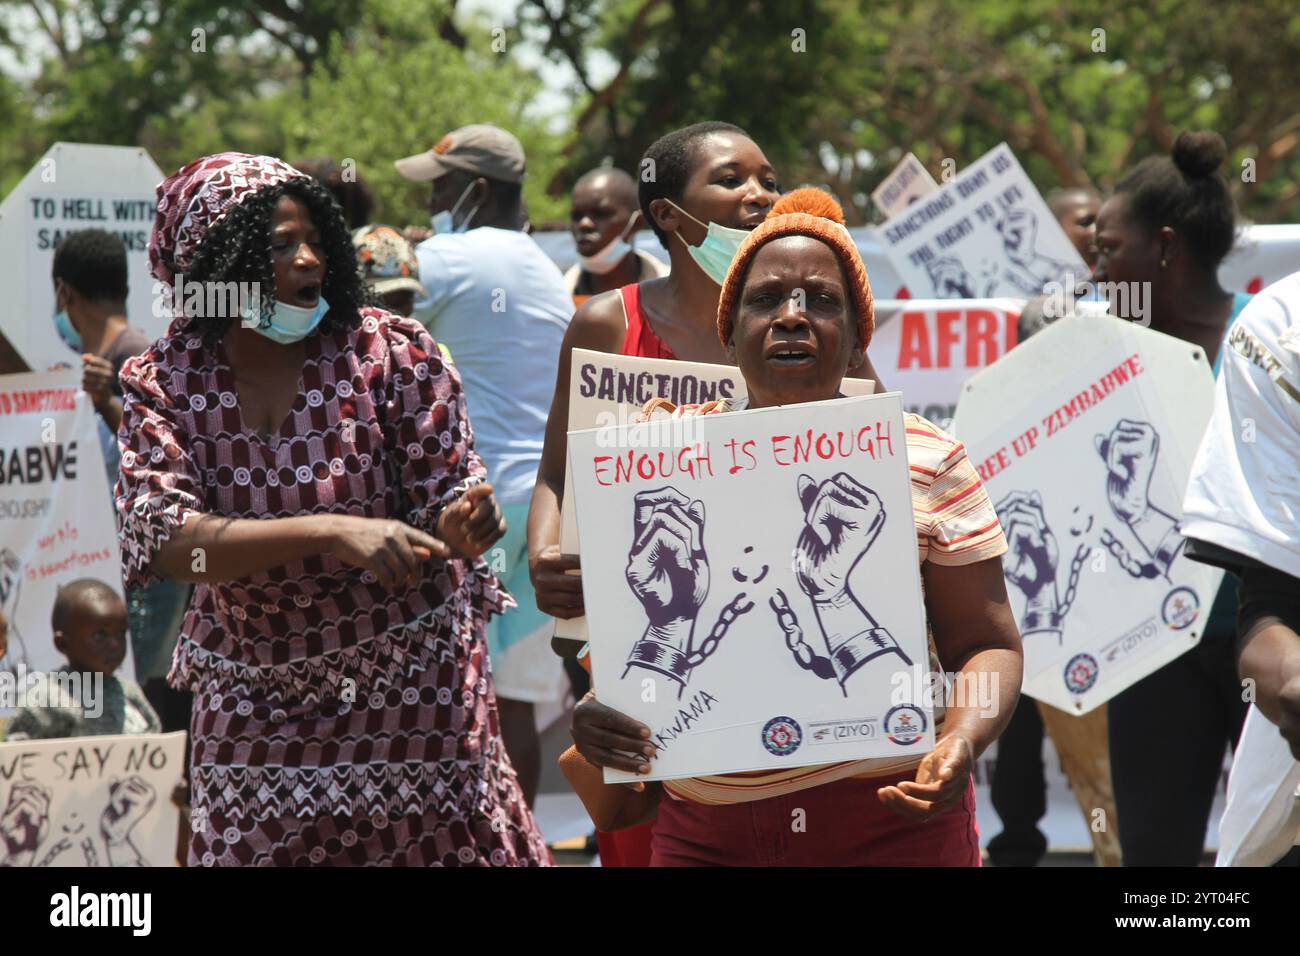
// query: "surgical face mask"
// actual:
[[291, 323], [444, 222], [715, 254], [67, 331], [606, 259]]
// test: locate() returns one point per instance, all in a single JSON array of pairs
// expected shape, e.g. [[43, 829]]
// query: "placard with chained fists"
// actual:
[[1084, 437], [751, 578]]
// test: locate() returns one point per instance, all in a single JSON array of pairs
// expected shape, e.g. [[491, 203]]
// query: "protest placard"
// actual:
[[1084, 437], [985, 234], [607, 389], [56, 514], [909, 181], [928, 348], [752, 585], [90, 801], [74, 186]]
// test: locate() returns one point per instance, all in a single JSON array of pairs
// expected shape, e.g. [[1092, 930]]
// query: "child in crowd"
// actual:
[[85, 697]]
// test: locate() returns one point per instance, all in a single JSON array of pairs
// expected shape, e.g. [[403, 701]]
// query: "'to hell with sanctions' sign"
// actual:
[[702, 626], [1084, 437]]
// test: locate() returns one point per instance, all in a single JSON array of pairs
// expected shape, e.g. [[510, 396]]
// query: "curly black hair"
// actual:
[[238, 249]]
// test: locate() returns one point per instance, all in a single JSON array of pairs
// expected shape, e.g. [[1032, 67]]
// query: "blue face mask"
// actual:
[[67, 331], [715, 254], [444, 222], [291, 323]]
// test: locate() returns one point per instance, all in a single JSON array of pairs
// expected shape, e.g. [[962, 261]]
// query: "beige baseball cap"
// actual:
[[479, 148]]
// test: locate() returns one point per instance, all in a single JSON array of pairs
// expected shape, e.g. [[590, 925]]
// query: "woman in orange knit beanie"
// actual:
[[794, 314]]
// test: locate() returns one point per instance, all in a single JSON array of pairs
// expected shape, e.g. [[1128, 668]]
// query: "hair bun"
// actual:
[[1199, 154], [813, 201]]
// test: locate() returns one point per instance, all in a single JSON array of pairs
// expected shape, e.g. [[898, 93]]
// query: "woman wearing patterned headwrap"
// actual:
[[308, 461]]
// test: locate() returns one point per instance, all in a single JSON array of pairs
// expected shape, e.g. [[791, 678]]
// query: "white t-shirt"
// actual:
[[1244, 492], [500, 306], [1244, 495]]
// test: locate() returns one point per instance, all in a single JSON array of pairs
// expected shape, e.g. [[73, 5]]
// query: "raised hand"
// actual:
[[1031, 559], [842, 518], [667, 567], [1130, 452]]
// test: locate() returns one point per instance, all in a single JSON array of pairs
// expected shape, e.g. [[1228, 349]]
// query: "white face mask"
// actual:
[[444, 222], [716, 253], [606, 259]]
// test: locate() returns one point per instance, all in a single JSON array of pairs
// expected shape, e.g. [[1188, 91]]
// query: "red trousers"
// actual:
[[837, 824], [630, 847]]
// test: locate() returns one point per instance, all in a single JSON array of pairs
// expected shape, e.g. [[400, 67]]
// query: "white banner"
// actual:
[[607, 389], [928, 348], [74, 186], [985, 234], [703, 627], [56, 512], [1084, 437], [90, 801]]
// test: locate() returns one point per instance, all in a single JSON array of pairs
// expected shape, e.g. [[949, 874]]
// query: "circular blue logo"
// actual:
[[782, 736], [1180, 609], [904, 724], [1081, 673]]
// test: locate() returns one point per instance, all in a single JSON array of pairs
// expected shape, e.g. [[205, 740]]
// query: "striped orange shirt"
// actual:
[[955, 525]]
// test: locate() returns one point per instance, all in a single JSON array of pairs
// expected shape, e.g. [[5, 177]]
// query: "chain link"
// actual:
[[1076, 566], [729, 614], [803, 653], [1138, 569]]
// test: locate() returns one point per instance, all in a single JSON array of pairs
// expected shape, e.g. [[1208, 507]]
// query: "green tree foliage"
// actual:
[[1080, 90], [835, 91], [391, 89]]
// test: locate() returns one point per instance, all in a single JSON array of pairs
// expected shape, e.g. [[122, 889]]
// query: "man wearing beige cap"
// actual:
[[501, 306]]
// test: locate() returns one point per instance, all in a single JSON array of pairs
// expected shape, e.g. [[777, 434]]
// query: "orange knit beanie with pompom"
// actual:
[[803, 212]]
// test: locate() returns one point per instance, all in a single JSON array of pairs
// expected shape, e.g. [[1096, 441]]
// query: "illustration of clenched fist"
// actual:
[[667, 568], [129, 801], [950, 278], [1019, 236], [842, 519], [1032, 555], [24, 825], [1130, 452]]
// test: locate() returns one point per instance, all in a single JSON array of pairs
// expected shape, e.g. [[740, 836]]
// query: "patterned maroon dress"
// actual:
[[335, 721]]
